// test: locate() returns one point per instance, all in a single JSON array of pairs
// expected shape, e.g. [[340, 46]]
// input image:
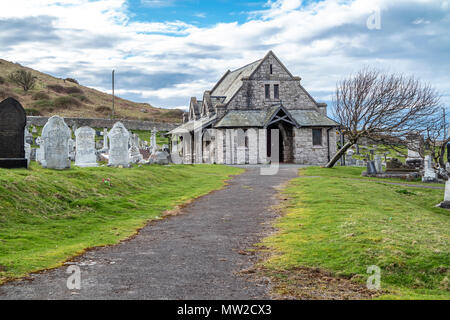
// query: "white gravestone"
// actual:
[[28, 153], [85, 147], [134, 153], [378, 164], [118, 146], [429, 173], [105, 139], [56, 135], [40, 158]]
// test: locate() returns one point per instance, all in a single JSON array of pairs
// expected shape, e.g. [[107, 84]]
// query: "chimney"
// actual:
[[322, 108]]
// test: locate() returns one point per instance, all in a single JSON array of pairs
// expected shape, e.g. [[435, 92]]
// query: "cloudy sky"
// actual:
[[165, 51]]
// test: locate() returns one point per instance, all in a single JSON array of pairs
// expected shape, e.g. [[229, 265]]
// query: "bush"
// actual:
[[66, 102], [45, 103], [24, 79], [2, 80], [103, 109], [33, 112], [81, 97], [76, 90], [41, 95], [72, 80], [56, 88]]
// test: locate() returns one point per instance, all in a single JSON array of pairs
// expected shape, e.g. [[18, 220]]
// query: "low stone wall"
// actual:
[[106, 123]]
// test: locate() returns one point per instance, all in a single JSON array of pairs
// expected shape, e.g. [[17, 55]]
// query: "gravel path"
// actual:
[[194, 255]]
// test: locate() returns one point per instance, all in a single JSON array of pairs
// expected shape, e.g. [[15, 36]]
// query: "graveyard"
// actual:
[[338, 221], [49, 216]]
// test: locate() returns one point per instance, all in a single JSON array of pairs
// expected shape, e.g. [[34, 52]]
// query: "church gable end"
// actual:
[[269, 84]]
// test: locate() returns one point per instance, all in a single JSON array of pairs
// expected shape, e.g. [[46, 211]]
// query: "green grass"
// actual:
[[344, 225], [49, 216]]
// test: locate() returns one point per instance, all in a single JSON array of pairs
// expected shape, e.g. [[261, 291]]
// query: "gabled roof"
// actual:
[[263, 118], [231, 82]]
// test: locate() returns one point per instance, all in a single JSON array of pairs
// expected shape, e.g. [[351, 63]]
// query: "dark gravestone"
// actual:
[[12, 126]]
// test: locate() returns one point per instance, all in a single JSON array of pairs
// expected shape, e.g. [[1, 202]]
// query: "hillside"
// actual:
[[66, 98]]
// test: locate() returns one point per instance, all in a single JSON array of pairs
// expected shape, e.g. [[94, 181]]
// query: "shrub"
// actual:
[[70, 90], [72, 80], [81, 97], [44, 103], [33, 112], [2, 80], [103, 109], [41, 95], [24, 79], [56, 88], [66, 102]]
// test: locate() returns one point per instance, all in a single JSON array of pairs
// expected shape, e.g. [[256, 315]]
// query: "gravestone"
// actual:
[[28, 153], [33, 129], [118, 146], [429, 174], [56, 135], [40, 158], [105, 139], [446, 203], [28, 137], [85, 147], [12, 134], [134, 153], [153, 145], [378, 164], [71, 149], [371, 168]]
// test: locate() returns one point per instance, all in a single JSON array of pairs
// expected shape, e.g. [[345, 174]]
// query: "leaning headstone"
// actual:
[[429, 174], [118, 146], [85, 147], [56, 135], [12, 131], [378, 164]]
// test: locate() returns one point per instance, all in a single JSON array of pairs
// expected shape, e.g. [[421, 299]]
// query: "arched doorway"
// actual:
[[285, 141]]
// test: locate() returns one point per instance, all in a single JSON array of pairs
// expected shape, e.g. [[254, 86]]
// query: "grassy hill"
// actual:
[[67, 98]]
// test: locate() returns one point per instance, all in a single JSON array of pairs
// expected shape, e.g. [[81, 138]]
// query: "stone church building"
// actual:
[[233, 122]]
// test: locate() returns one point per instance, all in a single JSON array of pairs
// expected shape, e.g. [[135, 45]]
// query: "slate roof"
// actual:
[[232, 81], [193, 125], [261, 118]]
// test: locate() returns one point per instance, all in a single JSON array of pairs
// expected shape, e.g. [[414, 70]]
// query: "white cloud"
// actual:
[[321, 42]]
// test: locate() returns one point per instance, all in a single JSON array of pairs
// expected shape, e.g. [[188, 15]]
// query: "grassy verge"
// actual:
[[344, 225], [49, 216]]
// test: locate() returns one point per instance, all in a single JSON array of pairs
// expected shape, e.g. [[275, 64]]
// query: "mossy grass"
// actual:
[[344, 225], [48, 216]]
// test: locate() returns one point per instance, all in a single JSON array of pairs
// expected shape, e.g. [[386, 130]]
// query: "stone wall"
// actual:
[[106, 123], [307, 154]]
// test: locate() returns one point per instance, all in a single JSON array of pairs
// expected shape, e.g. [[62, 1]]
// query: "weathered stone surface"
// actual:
[[85, 147], [56, 135], [118, 146], [429, 174], [12, 128], [378, 164]]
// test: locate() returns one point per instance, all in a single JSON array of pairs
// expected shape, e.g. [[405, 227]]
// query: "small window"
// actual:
[[317, 137], [267, 88], [271, 69], [276, 91]]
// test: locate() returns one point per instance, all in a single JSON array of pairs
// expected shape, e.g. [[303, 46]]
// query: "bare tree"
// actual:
[[384, 108], [23, 78], [436, 140]]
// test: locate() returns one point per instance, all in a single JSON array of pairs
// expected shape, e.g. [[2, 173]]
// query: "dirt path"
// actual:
[[194, 255]]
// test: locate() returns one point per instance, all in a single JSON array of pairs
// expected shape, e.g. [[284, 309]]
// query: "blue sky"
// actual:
[[164, 52]]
